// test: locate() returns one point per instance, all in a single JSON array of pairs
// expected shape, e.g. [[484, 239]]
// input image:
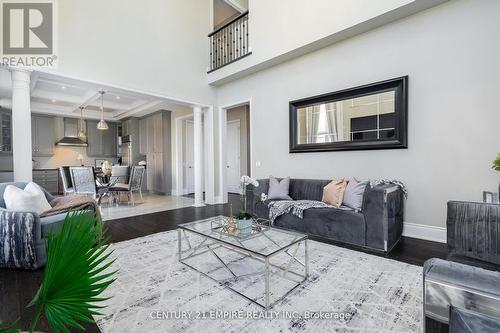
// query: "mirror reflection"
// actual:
[[370, 117]]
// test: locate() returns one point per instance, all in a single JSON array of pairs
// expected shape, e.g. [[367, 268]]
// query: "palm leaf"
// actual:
[[8, 329], [73, 279]]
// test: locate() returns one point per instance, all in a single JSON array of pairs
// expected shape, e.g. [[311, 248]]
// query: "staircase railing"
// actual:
[[229, 43]]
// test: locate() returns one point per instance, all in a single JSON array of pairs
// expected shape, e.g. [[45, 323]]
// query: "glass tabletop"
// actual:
[[264, 243]]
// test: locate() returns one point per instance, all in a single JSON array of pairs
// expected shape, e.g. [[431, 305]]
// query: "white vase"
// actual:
[[244, 225]]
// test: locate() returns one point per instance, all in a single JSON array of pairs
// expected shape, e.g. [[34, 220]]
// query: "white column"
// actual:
[[21, 125], [208, 124], [198, 157]]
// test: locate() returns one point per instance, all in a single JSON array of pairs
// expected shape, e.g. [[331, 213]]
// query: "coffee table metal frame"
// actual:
[[209, 244]]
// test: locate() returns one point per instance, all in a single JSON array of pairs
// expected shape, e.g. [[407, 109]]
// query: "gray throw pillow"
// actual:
[[278, 190], [353, 195]]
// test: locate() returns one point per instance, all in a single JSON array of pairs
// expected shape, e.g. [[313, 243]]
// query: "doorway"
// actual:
[[237, 146], [189, 158]]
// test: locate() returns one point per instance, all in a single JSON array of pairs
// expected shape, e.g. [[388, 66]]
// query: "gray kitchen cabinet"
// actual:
[[143, 141], [155, 142], [6, 176], [109, 140], [42, 136], [150, 133], [5, 132], [101, 143], [158, 133], [94, 139], [159, 183], [150, 171], [126, 127], [47, 179]]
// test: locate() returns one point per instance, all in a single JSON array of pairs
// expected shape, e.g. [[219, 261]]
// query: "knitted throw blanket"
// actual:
[[72, 203], [17, 240], [295, 207]]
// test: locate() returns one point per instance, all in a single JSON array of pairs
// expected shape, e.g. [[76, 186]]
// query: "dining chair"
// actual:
[[66, 180], [83, 180], [134, 184], [119, 174]]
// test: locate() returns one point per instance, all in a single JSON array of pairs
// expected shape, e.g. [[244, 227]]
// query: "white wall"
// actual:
[[158, 46], [451, 56], [280, 30]]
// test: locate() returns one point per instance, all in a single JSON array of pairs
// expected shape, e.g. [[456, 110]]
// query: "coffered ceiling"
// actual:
[[57, 95]]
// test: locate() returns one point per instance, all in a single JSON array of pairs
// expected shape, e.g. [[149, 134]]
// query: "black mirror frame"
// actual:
[[398, 85]]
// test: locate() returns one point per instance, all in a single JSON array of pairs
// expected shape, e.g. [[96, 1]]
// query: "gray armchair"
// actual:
[[464, 291], [23, 234]]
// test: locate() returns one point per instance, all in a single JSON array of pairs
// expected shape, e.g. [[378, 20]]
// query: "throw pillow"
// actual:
[[31, 199], [354, 192], [278, 190], [333, 193]]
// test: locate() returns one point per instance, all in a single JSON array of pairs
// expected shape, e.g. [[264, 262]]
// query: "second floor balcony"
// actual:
[[229, 43]]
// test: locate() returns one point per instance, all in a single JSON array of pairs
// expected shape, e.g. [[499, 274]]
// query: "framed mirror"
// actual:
[[373, 116]]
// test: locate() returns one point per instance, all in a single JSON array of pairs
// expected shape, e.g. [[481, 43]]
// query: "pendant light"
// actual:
[[81, 125], [102, 125]]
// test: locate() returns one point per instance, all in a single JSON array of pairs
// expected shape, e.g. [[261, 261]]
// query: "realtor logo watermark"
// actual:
[[28, 33]]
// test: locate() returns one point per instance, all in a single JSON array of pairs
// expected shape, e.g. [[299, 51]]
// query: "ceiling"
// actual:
[[58, 95]]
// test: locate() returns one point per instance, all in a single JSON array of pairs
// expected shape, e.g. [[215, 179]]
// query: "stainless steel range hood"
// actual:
[[71, 138]]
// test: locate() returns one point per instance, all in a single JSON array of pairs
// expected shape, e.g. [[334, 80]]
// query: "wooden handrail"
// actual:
[[228, 23]]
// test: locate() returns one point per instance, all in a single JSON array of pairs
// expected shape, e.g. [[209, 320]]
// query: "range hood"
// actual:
[[71, 134]]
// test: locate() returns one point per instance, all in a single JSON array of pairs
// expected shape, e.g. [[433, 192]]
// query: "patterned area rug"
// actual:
[[351, 291]]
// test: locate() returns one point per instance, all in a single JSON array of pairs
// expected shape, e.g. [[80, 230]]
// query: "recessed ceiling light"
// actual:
[[54, 101], [118, 97], [63, 87]]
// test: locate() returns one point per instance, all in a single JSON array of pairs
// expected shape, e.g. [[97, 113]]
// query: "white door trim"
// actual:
[[222, 124], [178, 180]]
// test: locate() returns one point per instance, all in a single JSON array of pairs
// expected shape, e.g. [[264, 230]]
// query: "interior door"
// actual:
[[189, 157], [233, 166]]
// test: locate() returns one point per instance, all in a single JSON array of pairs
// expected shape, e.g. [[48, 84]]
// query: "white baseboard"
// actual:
[[427, 232]]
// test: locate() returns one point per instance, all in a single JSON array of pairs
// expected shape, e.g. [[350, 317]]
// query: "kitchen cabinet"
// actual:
[[158, 133], [155, 141], [42, 136], [47, 179], [150, 133], [5, 132], [101, 143], [109, 141], [143, 142], [6, 176], [125, 130], [159, 173]]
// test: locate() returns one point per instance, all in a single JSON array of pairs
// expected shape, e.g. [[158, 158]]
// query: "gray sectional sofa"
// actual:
[[377, 226], [464, 291], [25, 232]]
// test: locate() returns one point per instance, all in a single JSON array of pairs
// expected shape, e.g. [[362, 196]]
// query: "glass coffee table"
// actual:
[[263, 266]]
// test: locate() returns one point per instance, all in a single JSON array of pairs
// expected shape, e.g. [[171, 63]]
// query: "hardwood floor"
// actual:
[[17, 287]]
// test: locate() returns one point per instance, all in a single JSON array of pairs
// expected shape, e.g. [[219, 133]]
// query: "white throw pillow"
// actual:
[[31, 199]]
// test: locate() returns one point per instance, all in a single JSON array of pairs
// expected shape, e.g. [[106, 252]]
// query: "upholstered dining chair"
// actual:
[[83, 180], [134, 184], [119, 173], [66, 180]]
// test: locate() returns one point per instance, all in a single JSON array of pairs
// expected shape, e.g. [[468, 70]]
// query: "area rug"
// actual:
[[347, 291]]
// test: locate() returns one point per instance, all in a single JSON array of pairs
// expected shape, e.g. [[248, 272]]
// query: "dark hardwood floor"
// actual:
[[17, 287]]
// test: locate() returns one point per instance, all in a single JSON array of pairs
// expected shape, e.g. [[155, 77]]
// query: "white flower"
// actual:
[[246, 180], [263, 197]]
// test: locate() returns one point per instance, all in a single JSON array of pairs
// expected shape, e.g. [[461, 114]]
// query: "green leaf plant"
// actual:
[[496, 163], [75, 275]]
